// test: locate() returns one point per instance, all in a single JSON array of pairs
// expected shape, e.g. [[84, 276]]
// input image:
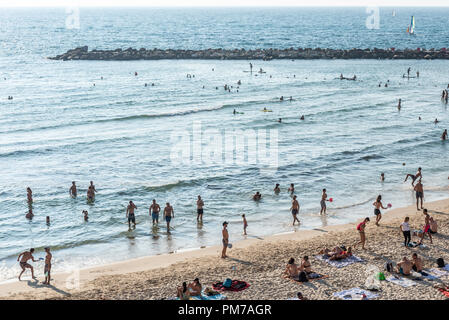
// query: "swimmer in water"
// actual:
[[399, 104], [291, 189], [382, 177], [72, 190], [130, 214], [280, 120], [436, 121], [277, 189], [281, 98], [302, 117], [444, 135], [257, 196]]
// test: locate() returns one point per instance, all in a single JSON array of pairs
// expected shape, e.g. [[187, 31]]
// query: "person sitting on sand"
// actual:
[[291, 270], [305, 265], [257, 196], [377, 205], [419, 194], [414, 177], [24, 257], [183, 292], [361, 229], [417, 263], [404, 267], [195, 287]]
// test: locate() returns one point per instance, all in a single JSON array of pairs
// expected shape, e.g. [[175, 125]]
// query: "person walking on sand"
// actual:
[[323, 202], [169, 213], [405, 228], [225, 239], [199, 205], [295, 209], [72, 190], [130, 214], [47, 267], [377, 205], [414, 177], [419, 193], [361, 229], [24, 257], [245, 224], [154, 211], [426, 227]]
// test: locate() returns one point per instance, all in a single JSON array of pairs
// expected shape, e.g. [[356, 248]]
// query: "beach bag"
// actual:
[[302, 277], [389, 266], [440, 263], [227, 283]]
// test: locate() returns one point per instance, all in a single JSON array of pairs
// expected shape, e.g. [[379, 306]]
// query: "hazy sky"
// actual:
[[173, 3]]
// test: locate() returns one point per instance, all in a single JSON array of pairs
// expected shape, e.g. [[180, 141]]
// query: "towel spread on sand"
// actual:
[[403, 282], [236, 285], [340, 263], [446, 267], [347, 294], [438, 272], [446, 293], [205, 297], [311, 277]]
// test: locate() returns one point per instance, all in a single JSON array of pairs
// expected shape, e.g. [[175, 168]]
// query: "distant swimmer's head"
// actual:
[[243, 215], [324, 190], [199, 197], [130, 202]]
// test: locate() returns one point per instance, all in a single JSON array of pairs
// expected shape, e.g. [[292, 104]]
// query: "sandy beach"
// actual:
[[259, 262]]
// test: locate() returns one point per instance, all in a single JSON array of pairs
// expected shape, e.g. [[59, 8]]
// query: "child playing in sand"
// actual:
[[245, 224]]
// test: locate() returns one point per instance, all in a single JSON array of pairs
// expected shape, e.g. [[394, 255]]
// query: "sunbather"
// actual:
[[417, 263], [292, 269], [195, 287], [305, 265], [342, 255], [404, 267], [183, 292]]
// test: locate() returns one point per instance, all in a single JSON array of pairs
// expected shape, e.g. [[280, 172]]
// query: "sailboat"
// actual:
[[411, 28]]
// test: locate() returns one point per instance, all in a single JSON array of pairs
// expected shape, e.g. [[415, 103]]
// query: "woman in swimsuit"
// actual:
[[361, 230], [377, 205], [305, 265], [183, 292]]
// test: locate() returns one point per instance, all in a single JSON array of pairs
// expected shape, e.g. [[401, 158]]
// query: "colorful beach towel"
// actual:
[[236, 285], [403, 282], [340, 263], [205, 297], [444, 292], [352, 293]]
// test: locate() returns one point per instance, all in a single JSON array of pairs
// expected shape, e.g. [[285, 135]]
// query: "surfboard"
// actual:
[[266, 110]]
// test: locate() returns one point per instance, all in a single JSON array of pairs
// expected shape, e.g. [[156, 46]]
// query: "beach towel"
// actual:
[[340, 263], [403, 282], [444, 292], [437, 272], [236, 285], [446, 267], [348, 294], [204, 296], [311, 277]]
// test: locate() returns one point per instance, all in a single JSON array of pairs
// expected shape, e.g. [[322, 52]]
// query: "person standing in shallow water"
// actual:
[[444, 135], [295, 210], [419, 189], [47, 267], [377, 205], [323, 202], [199, 204], [169, 213], [24, 257], [29, 196], [130, 214]]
